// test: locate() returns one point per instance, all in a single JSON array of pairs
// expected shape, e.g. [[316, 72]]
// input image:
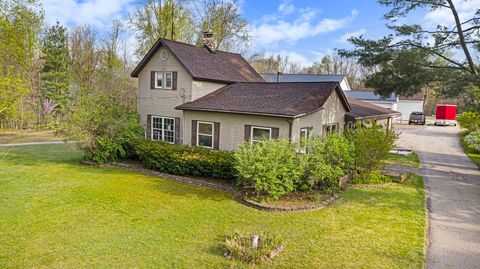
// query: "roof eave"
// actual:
[[383, 116], [238, 112]]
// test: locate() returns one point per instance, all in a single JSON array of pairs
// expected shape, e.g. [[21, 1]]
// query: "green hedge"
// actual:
[[185, 160]]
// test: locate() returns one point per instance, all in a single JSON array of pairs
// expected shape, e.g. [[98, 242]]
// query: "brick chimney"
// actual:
[[208, 40]]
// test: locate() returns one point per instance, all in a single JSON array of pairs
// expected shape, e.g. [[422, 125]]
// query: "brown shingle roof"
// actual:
[[286, 99], [364, 110], [202, 64]]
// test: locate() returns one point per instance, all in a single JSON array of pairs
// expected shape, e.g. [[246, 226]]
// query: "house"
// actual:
[[367, 107], [369, 96], [341, 79], [251, 111], [198, 96]]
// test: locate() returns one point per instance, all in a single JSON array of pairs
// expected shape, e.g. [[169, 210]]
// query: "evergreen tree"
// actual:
[[55, 74]]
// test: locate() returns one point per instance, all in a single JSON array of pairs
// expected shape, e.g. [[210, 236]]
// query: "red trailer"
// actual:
[[446, 115]]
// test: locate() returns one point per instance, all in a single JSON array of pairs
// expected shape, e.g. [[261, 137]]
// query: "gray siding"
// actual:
[[160, 102], [202, 88], [333, 112], [232, 126]]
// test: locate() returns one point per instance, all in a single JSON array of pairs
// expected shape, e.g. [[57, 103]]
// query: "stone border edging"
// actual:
[[223, 188], [310, 207], [369, 186], [192, 181]]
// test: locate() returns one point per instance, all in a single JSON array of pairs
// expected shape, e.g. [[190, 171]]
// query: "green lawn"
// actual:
[[410, 160], [15, 136], [475, 157], [56, 213]]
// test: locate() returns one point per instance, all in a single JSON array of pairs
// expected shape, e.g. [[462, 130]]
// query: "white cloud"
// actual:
[[98, 13], [344, 38], [286, 7], [270, 33], [443, 16]]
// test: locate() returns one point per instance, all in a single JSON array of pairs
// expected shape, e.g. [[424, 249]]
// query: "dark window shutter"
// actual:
[[216, 135], [174, 80], [275, 133], [248, 130], [152, 80], [177, 130], [148, 131], [194, 132]]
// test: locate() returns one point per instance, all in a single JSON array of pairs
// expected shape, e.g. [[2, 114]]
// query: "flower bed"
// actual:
[[299, 201]]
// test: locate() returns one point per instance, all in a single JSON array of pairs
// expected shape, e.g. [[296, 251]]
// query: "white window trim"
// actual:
[[337, 128], [305, 130], [163, 129], [157, 74], [165, 80], [211, 135], [263, 128]]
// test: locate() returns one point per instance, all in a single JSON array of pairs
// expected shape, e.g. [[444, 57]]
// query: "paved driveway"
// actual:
[[453, 195]]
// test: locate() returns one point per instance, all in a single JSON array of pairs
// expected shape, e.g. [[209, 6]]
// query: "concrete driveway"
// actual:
[[453, 195]]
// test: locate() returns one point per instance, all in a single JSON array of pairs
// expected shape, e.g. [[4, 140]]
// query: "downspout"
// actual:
[[290, 131]]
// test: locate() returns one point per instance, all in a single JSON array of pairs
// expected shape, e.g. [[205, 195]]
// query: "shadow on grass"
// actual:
[[38, 155], [396, 196]]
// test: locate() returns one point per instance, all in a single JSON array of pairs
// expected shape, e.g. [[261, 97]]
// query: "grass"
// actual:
[[10, 137], [56, 213], [475, 157], [410, 160]]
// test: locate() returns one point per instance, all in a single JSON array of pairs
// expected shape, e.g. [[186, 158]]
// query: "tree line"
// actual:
[[49, 72]]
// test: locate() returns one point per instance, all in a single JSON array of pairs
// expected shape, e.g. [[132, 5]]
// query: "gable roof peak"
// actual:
[[202, 64]]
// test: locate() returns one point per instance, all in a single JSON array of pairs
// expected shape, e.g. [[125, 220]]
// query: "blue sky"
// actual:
[[303, 30]]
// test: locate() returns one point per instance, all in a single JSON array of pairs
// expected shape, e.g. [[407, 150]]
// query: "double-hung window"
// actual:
[[158, 80], [163, 129], [205, 134], [163, 80], [168, 80], [260, 133], [304, 135], [331, 128]]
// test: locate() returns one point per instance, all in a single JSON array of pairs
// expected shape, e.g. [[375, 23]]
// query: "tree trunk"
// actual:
[[473, 70]]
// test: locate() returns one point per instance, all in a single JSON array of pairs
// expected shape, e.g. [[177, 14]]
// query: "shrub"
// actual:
[[469, 121], [327, 159], [103, 128], [472, 142], [270, 167], [371, 146], [185, 160], [241, 247]]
